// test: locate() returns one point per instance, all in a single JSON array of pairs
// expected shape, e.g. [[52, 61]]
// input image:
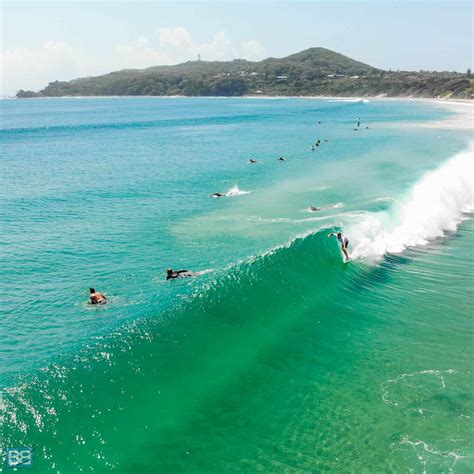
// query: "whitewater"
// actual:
[[437, 204]]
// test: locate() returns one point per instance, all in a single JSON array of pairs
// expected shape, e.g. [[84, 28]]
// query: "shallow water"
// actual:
[[280, 359]]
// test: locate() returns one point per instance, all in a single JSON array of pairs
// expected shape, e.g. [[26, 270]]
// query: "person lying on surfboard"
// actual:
[[172, 274], [344, 242]]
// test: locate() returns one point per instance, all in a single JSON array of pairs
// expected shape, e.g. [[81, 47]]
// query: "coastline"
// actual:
[[265, 97], [461, 120]]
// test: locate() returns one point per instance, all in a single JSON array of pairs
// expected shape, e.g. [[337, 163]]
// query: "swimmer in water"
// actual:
[[344, 241], [315, 209], [173, 274], [281, 158], [251, 160], [96, 297], [218, 195]]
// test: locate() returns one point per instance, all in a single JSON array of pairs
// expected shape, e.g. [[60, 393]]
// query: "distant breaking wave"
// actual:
[[435, 206], [235, 191], [353, 100]]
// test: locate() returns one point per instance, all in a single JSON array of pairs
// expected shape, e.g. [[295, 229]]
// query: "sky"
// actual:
[[61, 40]]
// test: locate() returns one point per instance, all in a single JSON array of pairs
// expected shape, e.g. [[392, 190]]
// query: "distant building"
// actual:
[[354, 77], [330, 75], [282, 78]]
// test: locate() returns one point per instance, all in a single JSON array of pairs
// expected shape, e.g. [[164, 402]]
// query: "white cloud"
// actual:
[[252, 50], [176, 45], [218, 49], [139, 54], [27, 68], [177, 37]]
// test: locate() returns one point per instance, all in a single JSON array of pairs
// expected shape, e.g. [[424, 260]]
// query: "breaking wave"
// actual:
[[437, 204]]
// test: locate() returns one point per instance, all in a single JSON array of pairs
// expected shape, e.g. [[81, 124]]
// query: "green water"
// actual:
[[281, 359]]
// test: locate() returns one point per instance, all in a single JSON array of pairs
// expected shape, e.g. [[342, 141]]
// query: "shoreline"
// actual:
[[264, 97]]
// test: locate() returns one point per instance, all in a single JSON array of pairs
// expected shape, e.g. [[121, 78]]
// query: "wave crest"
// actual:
[[435, 206]]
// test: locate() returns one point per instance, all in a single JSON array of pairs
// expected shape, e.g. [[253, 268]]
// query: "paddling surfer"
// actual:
[[173, 274], [96, 297]]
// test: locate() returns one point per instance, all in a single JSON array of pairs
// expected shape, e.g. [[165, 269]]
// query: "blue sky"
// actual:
[[45, 41]]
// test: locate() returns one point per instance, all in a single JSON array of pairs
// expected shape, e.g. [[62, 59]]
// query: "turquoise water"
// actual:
[[279, 358]]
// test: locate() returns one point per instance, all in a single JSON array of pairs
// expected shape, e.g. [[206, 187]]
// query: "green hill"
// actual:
[[314, 71]]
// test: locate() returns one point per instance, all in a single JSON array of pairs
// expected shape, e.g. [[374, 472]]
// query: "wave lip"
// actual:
[[434, 206], [349, 99]]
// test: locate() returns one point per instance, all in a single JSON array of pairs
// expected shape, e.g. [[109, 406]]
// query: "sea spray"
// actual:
[[434, 206], [235, 191]]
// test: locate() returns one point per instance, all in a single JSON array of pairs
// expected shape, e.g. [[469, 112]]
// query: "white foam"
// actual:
[[386, 199], [434, 206], [349, 99], [204, 272], [440, 375], [235, 191]]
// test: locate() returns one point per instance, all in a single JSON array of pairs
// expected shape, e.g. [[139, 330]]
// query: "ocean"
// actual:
[[277, 356]]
